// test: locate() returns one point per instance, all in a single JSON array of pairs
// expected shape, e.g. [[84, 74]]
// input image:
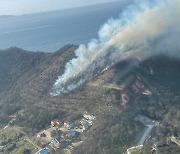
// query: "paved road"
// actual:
[[35, 145], [146, 133]]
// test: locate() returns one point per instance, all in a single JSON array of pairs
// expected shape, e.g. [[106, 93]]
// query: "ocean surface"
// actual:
[[50, 31]]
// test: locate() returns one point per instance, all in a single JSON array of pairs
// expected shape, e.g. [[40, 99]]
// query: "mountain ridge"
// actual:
[[30, 76]]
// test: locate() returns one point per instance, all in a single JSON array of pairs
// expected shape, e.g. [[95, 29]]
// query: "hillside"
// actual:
[[26, 79]]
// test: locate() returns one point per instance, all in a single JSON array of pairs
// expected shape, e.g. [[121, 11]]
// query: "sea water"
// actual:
[[49, 31]]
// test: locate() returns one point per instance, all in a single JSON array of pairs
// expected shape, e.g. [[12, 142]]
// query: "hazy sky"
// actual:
[[16, 7]]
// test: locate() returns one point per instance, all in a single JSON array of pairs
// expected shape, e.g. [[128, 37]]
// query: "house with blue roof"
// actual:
[[73, 133], [44, 151]]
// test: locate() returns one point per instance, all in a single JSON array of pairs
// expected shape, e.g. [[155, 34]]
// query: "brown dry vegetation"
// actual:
[[26, 78]]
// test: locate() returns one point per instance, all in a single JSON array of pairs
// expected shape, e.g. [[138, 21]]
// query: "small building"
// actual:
[[83, 122], [86, 124], [73, 134], [55, 122], [85, 127], [44, 151], [69, 126], [41, 134], [66, 125], [153, 150], [88, 117], [55, 144], [135, 149]]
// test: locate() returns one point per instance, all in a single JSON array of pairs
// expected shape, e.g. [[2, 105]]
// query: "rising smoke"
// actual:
[[145, 28]]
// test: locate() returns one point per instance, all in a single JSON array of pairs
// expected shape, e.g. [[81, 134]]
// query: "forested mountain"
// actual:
[[26, 79]]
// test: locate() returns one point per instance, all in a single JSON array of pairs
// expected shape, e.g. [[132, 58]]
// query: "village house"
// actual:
[[55, 122], [84, 124], [87, 121], [41, 134], [72, 134], [66, 125], [88, 117], [44, 151], [72, 126], [135, 149], [69, 126], [55, 144]]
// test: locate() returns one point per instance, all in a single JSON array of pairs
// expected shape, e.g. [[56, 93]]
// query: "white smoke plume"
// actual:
[[145, 28]]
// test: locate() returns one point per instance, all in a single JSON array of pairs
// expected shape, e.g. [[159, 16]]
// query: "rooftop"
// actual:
[[44, 151]]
